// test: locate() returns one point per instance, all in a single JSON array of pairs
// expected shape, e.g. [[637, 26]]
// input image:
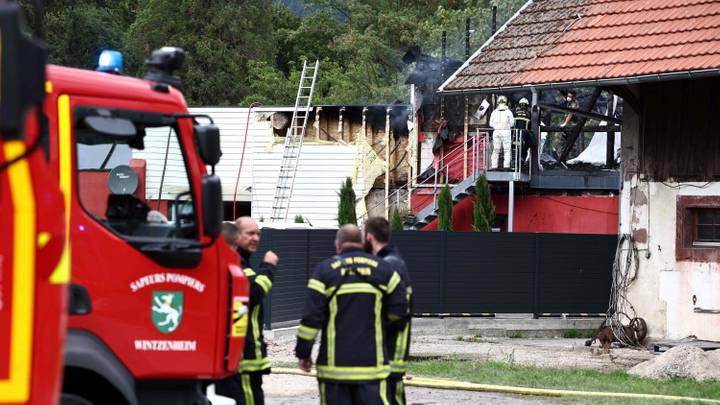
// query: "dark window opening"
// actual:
[[698, 228], [707, 227], [242, 209]]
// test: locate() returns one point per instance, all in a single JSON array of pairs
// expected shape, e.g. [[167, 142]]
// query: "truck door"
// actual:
[[154, 293]]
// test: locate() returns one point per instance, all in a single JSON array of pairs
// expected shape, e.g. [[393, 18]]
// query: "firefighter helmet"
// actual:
[[502, 100], [524, 101]]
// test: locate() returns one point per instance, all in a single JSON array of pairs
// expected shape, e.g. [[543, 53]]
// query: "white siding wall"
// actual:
[[176, 180], [321, 171], [232, 122]]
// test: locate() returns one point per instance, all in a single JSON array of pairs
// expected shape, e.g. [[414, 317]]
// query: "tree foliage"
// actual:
[[346, 207], [220, 39], [396, 223], [445, 207], [252, 51], [483, 208]]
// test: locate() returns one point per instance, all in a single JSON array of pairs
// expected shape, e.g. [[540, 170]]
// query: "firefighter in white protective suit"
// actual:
[[501, 121]]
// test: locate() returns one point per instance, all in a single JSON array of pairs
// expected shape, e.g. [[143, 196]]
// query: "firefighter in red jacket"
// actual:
[[353, 298], [245, 387]]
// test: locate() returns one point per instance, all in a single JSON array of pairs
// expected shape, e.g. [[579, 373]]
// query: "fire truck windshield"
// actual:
[[136, 185]]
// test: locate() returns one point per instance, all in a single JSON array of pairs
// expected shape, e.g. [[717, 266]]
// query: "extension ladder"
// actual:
[[293, 143]]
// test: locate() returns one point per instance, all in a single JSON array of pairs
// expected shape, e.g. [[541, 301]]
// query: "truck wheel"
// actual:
[[72, 399]]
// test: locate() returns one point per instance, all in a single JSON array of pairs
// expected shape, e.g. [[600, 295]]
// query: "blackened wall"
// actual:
[[680, 135]]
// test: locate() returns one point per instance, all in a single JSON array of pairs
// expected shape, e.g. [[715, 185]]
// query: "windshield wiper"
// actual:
[[107, 158]]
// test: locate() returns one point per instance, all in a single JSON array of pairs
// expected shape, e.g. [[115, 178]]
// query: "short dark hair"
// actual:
[[230, 232], [348, 233], [379, 228]]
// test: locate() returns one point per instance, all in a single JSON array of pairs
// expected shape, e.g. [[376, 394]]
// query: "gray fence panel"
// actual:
[[424, 258], [489, 272], [575, 272], [321, 247], [463, 272], [288, 291]]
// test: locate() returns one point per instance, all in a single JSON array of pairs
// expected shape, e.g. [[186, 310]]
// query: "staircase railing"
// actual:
[[441, 176]]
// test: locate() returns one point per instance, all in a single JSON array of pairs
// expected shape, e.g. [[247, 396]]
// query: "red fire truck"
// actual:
[[33, 278], [156, 301]]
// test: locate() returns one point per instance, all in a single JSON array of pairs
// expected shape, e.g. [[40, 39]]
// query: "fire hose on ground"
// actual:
[[425, 382]]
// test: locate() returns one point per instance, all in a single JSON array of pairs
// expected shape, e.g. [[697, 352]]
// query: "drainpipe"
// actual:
[[387, 163], [511, 205]]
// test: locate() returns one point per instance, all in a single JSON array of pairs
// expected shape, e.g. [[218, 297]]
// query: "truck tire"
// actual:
[[72, 399]]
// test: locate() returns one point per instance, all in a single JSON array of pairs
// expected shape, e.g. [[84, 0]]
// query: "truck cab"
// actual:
[[157, 301]]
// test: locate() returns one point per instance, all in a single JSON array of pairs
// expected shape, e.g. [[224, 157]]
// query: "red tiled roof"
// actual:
[[555, 41]]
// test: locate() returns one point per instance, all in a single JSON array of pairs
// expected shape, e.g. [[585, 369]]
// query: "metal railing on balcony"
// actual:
[[461, 163]]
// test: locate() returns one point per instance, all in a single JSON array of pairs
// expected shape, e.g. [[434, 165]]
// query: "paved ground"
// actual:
[[298, 390], [557, 353], [540, 352]]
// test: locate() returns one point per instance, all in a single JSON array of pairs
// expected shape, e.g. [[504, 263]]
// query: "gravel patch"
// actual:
[[682, 361]]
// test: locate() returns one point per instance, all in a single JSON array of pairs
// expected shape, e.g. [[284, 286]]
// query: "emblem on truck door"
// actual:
[[167, 310]]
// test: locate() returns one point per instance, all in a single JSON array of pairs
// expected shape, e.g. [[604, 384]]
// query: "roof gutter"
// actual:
[[620, 81], [475, 55]]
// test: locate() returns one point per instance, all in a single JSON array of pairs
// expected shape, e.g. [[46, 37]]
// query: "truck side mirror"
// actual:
[[22, 67], [212, 205], [207, 138]]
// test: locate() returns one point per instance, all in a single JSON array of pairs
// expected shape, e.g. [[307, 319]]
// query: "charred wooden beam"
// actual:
[[580, 113], [586, 128]]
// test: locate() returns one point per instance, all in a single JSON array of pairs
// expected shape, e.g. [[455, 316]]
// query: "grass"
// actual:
[[515, 335], [575, 334], [488, 372]]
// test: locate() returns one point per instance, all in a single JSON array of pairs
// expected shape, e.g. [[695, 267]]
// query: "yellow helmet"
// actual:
[[502, 100]]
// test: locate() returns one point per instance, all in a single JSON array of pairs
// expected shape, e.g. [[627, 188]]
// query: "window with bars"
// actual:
[[698, 229], [707, 227]]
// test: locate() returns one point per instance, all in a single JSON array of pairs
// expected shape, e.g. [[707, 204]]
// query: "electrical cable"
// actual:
[[685, 185], [578, 207], [242, 157], [624, 273]]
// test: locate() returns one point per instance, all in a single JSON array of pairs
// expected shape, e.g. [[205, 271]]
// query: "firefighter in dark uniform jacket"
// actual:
[[376, 236], [353, 298], [522, 122], [245, 387]]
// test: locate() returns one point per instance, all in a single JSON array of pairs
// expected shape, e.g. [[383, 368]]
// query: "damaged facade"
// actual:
[[671, 205], [340, 142], [663, 59]]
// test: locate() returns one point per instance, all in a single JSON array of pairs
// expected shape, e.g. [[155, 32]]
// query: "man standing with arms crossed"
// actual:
[[376, 236], [245, 387], [352, 297]]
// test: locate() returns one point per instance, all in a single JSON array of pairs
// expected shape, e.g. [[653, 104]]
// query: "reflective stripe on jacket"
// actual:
[[399, 339], [255, 353], [351, 298]]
